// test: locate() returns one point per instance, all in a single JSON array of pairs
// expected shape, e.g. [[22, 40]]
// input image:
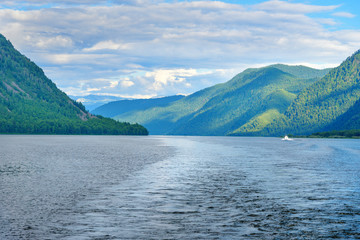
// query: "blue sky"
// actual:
[[149, 48]]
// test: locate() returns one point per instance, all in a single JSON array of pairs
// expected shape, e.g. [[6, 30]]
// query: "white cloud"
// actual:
[[188, 85], [65, 59], [327, 21], [134, 96], [108, 45], [92, 89], [46, 3], [344, 14], [288, 7], [54, 42], [113, 84], [127, 83], [162, 77]]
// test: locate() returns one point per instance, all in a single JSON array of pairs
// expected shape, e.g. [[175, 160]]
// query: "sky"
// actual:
[[153, 48]]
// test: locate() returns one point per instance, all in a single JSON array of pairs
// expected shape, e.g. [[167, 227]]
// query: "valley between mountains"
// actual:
[[269, 101]]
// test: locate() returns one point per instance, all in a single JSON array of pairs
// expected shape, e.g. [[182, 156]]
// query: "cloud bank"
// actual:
[[149, 48]]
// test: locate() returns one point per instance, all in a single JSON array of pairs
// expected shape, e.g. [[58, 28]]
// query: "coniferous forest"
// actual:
[[331, 103], [269, 101], [30, 103]]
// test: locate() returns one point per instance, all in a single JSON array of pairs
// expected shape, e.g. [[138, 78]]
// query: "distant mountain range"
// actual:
[[245, 104], [269, 101], [93, 101], [31, 103], [117, 108]]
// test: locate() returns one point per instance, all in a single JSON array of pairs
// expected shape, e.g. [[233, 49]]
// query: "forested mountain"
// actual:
[[31, 103], [332, 103], [269, 101], [245, 104], [115, 108]]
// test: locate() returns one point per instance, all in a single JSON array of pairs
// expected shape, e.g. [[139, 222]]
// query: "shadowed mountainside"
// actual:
[[31, 103]]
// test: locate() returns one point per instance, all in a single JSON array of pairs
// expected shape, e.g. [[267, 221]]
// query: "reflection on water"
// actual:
[[181, 188]]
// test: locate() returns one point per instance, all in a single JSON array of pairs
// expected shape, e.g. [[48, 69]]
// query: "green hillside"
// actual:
[[115, 108], [331, 103], [248, 102], [31, 103], [349, 120], [274, 104]]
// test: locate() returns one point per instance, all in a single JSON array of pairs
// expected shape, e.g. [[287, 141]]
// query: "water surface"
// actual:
[[89, 187]]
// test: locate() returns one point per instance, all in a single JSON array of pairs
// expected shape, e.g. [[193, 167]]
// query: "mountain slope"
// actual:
[[349, 120], [274, 104], [31, 103], [331, 103], [115, 108], [228, 107]]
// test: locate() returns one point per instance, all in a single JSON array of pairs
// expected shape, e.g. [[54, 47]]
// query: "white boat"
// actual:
[[286, 138]]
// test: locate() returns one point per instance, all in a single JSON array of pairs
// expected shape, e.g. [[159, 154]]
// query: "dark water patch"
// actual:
[[43, 177]]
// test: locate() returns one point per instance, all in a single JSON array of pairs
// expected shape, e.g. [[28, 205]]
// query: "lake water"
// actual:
[[157, 187]]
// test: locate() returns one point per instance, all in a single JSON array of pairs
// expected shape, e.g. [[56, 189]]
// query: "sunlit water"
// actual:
[[103, 187]]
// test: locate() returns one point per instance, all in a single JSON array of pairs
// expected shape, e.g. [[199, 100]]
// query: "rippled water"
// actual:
[[89, 187]]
